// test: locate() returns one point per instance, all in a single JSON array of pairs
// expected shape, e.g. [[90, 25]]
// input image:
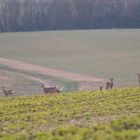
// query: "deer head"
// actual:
[[42, 85]]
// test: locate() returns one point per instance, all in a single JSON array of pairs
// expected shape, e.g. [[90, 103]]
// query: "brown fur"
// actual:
[[7, 92], [50, 89], [100, 88], [109, 85]]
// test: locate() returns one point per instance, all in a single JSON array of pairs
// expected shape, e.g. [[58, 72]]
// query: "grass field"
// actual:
[[19, 83], [29, 83], [82, 115], [101, 53], [106, 115]]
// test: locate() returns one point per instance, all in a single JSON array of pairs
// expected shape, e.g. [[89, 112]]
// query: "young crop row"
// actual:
[[35, 117], [125, 128]]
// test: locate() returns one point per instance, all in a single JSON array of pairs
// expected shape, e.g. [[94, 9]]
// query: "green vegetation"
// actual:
[[93, 52], [105, 115]]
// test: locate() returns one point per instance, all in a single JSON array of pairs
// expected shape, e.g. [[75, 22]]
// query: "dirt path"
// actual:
[[33, 78], [47, 71]]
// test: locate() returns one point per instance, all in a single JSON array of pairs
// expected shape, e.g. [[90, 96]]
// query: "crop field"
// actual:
[[100, 53], [100, 115]]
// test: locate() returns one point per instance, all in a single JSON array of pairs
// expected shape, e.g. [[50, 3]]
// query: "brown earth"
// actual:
[[47, 71], [6, 79]]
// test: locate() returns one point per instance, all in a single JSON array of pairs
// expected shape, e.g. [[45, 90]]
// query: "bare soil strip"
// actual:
[[33, 78], [47, 71]]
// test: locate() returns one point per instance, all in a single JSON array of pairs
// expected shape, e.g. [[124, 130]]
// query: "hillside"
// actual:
[[34, 15], [104, 115], [72, 59]]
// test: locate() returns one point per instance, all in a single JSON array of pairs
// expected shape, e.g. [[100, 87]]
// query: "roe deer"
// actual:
[[50, 89], [7, 92], [110, 84]]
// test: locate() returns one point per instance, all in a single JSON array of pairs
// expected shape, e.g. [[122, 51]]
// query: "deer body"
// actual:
[[109, 85], [50, 89], [7, 92]]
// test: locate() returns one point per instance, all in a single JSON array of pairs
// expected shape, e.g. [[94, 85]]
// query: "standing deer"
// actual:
[[110, 84], [100, 88], [7, 92], [50, 89]]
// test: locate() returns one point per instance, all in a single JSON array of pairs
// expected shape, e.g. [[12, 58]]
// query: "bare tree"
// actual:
[[31, 15]]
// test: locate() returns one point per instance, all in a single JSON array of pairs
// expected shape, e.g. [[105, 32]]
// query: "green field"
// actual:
[[104, 53], [19, 83], [23, 82], [80, 115], [106, 115]]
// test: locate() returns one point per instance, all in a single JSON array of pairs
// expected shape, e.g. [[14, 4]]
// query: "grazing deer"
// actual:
[[7, 92], [110, 84], [50, 89]]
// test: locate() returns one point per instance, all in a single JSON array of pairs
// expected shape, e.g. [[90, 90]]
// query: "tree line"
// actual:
[[33, 15]]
